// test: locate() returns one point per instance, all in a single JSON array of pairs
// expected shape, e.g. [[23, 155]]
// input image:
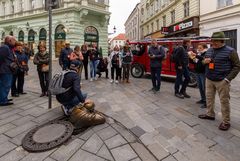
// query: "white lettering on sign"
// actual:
[[182, 26]]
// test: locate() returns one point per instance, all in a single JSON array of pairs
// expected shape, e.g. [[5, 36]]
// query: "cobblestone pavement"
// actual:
[[167, 126]]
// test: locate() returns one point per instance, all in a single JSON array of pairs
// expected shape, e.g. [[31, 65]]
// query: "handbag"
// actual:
[[45, 68], [14, 67]]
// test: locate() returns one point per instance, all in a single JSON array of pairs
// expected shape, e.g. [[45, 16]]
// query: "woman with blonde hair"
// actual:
[[41, 59], [115, 64]]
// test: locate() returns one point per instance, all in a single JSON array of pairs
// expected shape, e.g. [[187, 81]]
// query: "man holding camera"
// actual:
[[156, 55]]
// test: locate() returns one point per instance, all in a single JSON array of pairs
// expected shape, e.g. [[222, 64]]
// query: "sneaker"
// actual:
[[65, 110], [95, 78], [152, 89], [116, 82], [91, 80], [111, 81], [200, 102], [186, 95], [179, 95], [204, 106]]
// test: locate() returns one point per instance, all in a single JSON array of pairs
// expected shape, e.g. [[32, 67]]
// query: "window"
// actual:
[[148, 29], [164, 21], [32, 4], [186, 9], [21, 5], [12, 6], [4, 8], [157, 23], [173, 16], [152, 27], [224, 3]]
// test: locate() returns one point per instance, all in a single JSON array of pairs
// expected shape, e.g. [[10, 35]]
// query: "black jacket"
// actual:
[[72, 80], [199, 66], [182, 56], [6, 58]]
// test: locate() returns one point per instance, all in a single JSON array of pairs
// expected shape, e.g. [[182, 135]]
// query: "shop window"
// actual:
[[152, 27], [157, 23], [232, 34], [138, 50], [12, 6], [224, 3], [164, 21], [186, 9]]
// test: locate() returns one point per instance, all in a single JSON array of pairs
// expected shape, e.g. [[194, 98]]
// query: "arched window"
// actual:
[[21, 36], [43, 35]]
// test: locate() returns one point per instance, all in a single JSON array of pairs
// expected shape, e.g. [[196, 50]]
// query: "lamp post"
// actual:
[[114, 31]]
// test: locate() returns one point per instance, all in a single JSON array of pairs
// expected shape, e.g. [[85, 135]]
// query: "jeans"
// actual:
[[201, 85], [93, 68], [126, 71], [5, 85], [74, 102], [156, 77], [44, 81], [180, 73], [17, 83], [115, 68]]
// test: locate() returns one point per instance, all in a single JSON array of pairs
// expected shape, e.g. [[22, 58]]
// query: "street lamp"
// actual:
[[114, 31]]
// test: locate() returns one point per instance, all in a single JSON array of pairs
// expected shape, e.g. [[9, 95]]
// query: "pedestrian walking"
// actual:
[[126, 62], [181, 66], [115, 64], [156, 55], [223, 65], [7, 66], [64, 61], [41, 59]]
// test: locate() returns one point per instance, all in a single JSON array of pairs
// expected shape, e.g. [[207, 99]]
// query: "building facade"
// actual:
[[221, 15], [118, 40], [169, 18], [132, 25], [79, 21]]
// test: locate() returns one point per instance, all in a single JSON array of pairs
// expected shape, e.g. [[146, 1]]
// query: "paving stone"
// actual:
[[178, 132], [23, 120], [123, 153], [49, 159], [138, 131], [181, 157], [18, 139], [147, 138], [107, 133], [236, 141], [66, 151], [115, 141], [47, 117], [81, 155], [105, 153], [235, 132], [6, 127], [3, 138], [161, 141], [36, 111], [171, 150], [124, 132], [137, 159], [93, 144], [100, 127], [5, 110], [15, 155], [37, 156], [204, 140], [142, 152], [186, 128], [6, 147], [86, 134], [26, 107], [20, 129], [207, 133], [10, 113], [170, 158], [9, 119], [158, 151]]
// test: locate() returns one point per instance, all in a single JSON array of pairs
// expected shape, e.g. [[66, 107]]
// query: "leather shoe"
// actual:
[[10, 100], [6, 104], [23, 93], [206, 117], [179, 95], [43, 94], [186, 95], [15, 95], [200, 102]]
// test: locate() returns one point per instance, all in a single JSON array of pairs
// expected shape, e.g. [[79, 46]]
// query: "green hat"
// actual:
[[219, 36]]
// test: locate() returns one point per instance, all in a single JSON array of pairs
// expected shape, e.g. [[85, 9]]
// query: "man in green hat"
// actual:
[[223, 65]]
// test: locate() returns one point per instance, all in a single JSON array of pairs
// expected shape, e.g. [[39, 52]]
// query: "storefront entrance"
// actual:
[[60, 37], [21, 36], [43, 35], [91, 36], [31, 40]]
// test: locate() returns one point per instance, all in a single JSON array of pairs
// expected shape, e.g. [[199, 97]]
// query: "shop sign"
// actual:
[[31, 38], [21, 38], [42, 37], [183, 26], [165, 30], [91, 38], [60, 36]]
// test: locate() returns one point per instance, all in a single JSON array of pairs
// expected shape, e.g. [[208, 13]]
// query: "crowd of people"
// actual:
[[215, 67]]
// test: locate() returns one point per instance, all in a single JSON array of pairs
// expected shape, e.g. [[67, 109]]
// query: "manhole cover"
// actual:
[[47, 136]]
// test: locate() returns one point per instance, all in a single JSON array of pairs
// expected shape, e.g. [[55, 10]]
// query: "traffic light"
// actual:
[[54, 3]]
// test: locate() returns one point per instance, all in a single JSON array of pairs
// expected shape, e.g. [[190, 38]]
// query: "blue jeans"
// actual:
[[5, 86], [74, 102], [201, 78], [184, 72], [93, 68], [156, 77]]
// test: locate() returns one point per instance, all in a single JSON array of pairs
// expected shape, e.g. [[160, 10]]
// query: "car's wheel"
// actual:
[[193, 80], [137, 71]]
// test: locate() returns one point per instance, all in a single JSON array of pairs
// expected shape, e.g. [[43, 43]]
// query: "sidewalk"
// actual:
[[167, 126]]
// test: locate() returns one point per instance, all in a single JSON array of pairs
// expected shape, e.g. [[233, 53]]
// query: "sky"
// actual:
[[120, 10]]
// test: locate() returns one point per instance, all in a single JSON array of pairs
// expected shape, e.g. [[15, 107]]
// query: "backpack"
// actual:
[[115, 59], [55, 85]]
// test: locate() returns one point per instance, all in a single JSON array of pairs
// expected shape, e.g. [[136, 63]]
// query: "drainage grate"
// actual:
[[47, 136]]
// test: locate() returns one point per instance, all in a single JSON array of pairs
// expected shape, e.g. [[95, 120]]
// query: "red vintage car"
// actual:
[[141, 60]]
